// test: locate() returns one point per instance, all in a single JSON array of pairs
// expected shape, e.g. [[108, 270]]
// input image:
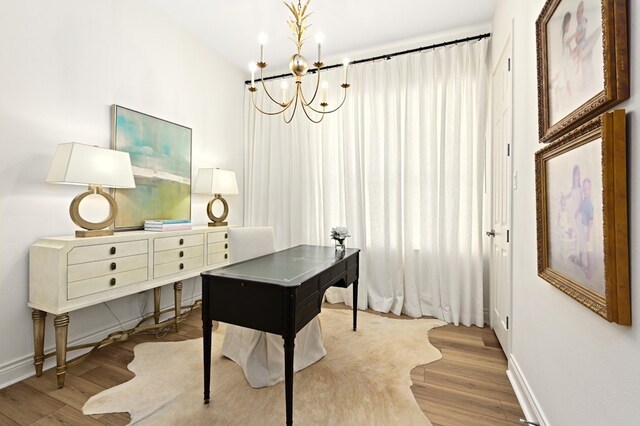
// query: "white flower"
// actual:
[[339, 233]]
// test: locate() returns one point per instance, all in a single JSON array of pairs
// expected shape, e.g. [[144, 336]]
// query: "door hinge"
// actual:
[[508, 149], [507, 323], [507, 235], [509, 64]]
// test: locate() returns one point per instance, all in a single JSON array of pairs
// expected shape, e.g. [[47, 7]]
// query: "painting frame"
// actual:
[[610, 128], [161, 159], [615, 68]]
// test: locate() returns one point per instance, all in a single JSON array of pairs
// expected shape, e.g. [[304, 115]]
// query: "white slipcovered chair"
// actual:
[[260, 354]]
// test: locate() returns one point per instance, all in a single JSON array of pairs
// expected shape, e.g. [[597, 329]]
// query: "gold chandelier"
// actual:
[[299, 67]]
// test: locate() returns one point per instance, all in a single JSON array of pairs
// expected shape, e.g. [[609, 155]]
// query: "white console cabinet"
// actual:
[[69, 273]]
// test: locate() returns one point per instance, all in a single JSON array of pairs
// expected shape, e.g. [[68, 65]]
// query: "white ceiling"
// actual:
[[231, 27]]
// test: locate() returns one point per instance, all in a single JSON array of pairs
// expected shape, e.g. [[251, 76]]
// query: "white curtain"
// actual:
[[401, 164]]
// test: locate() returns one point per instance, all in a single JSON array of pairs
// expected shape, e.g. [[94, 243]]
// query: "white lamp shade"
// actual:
[[216, 181], [79, 164]]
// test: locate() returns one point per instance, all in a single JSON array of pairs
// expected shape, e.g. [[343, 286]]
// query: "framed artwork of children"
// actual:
[[583, 66], [581, 210]]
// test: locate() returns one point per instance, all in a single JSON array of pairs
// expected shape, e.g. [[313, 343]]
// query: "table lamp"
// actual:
[[79, 164], [216, 182]]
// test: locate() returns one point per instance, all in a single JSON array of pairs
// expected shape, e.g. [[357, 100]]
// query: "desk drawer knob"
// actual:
[[181, 254], [113, 266], [113, 250], [226, 245], [181, 266], [181, 241], [226, 236], [226, 256], [112, 282]]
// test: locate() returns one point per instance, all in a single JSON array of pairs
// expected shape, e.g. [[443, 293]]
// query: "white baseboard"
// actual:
[[530, 406], [22, 368]]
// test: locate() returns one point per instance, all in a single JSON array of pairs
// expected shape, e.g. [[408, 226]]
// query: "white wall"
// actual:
[[64, 63], [579, 368]]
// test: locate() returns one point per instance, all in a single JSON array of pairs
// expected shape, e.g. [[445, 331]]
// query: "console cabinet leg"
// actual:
[[39, 319], [156, 304], [177, 293], [61, 323]]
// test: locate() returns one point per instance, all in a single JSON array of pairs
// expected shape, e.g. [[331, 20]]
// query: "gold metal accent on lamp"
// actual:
[[216, 182], [298, 66], [79, 164]]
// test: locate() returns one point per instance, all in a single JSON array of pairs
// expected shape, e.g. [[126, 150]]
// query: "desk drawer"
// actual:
[[216, 237], [105, 251], [83, 271], [176, 267], [168, 243], [218, 247], [107, 282], [217, 257], [177, 254]]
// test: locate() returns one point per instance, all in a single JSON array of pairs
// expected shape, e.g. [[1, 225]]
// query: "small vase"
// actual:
[[340, 249]]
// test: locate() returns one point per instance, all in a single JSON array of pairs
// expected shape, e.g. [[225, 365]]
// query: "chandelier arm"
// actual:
[[304, 108], [315, 92], [344, 98], [295, 106], [253, 101], [266, 91]]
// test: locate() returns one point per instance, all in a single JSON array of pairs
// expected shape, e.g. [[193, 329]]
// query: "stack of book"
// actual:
[[160, 225]]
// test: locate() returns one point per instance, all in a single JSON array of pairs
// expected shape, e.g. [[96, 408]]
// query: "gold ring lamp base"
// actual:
[[218, 220], [94, 229]]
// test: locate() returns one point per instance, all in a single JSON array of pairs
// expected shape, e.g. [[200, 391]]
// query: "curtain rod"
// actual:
[[385, 56]]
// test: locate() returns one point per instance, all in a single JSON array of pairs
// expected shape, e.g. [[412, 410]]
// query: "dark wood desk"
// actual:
[[278, 293]]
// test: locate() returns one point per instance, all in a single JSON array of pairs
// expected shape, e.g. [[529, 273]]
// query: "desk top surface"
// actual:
[[288, 267]]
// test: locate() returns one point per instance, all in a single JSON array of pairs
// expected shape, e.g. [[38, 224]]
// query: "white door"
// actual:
[[499, 234]]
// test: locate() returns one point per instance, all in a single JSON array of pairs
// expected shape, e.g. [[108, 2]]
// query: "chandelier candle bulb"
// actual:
[[252, 68], [284, 87], [345, 63], [319, 40], [262, 39], [325, 88]]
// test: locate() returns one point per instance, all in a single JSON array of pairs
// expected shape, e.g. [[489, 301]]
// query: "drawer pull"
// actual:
[[181, 241], [226, 256], [113, 250], [181, 266], [226, 245], [113, 266], [181, 253], [226, 236], [112, 282]]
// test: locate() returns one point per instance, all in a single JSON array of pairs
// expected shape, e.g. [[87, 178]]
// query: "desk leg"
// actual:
[[61, 323], [177, 294], [156, 304], [206, 340], [355, 305], [39, 318], [289, 344]]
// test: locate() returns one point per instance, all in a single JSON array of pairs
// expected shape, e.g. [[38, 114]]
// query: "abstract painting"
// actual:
[[161, 160]]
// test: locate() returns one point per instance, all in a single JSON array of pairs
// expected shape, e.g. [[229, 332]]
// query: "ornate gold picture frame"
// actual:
[[583, 66], [581, 210]]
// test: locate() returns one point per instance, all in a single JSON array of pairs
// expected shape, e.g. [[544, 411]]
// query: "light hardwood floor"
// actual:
[[468, 386]]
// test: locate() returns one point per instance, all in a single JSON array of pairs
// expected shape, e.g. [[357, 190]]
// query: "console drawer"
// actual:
[[168, 243], [107, 282], [105, 251], [177, 254], [176, 267], [217, 257], [216, 237], [83, 271]]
